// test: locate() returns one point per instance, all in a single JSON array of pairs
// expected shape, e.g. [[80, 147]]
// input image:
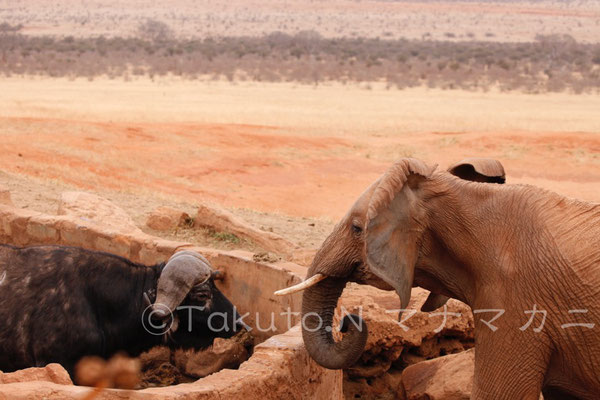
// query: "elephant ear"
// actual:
[[479, 170], [392, 229], [476, 170], [433, 302]]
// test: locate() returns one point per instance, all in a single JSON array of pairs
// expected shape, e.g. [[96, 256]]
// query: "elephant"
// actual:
[[526, 260]]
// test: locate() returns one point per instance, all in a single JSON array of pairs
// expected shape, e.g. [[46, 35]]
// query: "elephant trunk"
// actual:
[[318, 307]]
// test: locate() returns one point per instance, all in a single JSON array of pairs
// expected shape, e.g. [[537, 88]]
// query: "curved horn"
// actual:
[[215, 274], [193, 254], [183, 270], [313, 280]]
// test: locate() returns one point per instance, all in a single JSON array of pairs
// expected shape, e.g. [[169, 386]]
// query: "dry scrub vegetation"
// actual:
[[550, 64], [488, 20]]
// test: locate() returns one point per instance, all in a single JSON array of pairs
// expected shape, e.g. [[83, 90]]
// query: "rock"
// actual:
[[386, 387], [390, 348], [389, 342], [224, 353], [5, 196], [444, 378], [369, 371], [89, 207], [161, 366], [54, 373], [221, 220], [167, 218]]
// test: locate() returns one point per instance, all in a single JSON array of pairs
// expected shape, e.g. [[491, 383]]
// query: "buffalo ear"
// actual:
[[479, 170], [392, 229]]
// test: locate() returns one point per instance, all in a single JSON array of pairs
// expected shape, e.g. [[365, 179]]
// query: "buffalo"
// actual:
[[59, 303]]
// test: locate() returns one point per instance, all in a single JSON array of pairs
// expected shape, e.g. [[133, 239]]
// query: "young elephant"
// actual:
[[526, 260]]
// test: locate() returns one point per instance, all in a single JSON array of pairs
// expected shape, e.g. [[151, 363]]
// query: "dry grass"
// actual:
[[333, 108]]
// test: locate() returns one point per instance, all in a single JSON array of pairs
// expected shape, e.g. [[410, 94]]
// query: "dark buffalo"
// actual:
[[60, 303]]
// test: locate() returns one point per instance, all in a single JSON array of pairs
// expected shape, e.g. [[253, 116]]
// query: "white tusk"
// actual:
[[313, 280]]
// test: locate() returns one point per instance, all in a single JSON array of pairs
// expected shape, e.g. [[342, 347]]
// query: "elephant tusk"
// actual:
[[313, 280]]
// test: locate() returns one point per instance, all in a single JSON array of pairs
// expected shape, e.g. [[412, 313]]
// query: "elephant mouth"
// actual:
[[362, 275]]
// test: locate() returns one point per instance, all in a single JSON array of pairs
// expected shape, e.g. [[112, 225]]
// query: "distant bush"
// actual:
[[5, 28], [155, 31], [551, 63]]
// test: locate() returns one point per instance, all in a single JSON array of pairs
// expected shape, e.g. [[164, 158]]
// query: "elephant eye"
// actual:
[[356, 229]]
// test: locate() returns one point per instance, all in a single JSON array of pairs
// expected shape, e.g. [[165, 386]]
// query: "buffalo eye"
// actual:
[[201, 293], [356, 229]]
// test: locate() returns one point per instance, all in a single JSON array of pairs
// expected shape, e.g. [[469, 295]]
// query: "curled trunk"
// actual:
[[318, 307]]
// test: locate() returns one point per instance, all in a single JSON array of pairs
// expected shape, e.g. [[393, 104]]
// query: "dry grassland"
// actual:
[[332, 108], [290, 149]]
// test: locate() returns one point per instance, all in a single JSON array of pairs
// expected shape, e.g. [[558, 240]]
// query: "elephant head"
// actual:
[[375, 243]]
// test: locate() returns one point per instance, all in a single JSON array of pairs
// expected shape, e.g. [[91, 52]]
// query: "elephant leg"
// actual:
[[508, 367]]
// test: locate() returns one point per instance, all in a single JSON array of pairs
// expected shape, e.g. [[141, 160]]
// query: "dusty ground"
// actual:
[[493, 20], [287, 158]]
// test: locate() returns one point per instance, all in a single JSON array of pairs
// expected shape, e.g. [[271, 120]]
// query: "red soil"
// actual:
[[270, 169]]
